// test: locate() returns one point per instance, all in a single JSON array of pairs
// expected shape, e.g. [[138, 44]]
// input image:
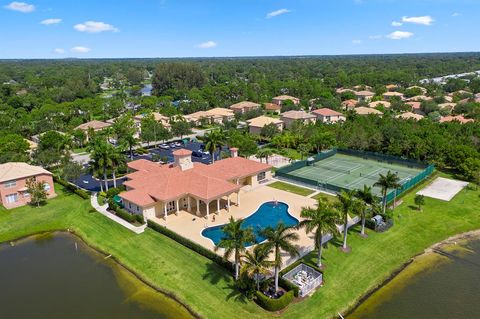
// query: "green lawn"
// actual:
[[330, 198], [291, 188], [206, 287]]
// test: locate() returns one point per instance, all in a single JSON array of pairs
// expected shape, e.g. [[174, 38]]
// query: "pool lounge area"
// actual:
[[268, 214]]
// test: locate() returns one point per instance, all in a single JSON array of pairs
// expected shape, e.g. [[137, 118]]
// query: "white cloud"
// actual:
[[50, 21], [396, 24], [357, 41], [375, 37], [94, 27], [80, 49], [20, 7], [456, 14], [207, 45], [424, 20], [276, 13], [398, 35], [59, 51]]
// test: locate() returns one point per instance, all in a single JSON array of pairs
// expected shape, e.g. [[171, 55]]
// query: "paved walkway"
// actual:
[[103, 210]]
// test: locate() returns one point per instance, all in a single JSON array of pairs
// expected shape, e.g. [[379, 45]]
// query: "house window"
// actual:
[[261, 176], [12, 198], [10, 184], [46, 187], [26, 194]]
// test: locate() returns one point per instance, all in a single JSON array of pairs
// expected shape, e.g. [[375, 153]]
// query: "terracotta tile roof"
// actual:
[[152, 182], [458, 118], [182, 152], [327, 112], [96, 125], [244, 104], [367, 110], [349, 103], [261, 121], [410, 115], [272, 107], [297, 115], [378, 103], [390, 94], [414, 105], [285, 97], [364, 93], [15, 170]]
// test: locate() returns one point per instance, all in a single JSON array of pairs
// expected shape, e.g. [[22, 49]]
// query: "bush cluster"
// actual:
[[274, 304], [123, 214], [72, 188], [191, 245]]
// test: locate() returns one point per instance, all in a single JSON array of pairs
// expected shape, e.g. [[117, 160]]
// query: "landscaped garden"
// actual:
[[208, 289]]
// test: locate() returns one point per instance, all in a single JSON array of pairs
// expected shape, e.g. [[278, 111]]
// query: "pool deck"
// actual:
[[190, 226]]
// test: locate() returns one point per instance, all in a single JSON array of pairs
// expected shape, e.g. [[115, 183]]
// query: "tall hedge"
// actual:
[[273, 304], [72, 188], [191, 245]]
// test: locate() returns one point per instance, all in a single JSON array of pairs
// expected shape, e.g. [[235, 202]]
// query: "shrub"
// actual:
[[139, 218], [123, 214], [72, 188], [287, 285], [273, 304], [112, 192], [190, 244]]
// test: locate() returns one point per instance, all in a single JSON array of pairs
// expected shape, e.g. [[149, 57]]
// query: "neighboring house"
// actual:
[[448, 106], [243, 107], [13, 181], [416, 106], [290, 117], [187, 186], [362, 87], [36, 138], [422, 89], [95, 125], [380, 103], [419, 98], [282, 98], [410, 115], [389, 95], [343, 90], [458, 118], [364, 96], [362, 110], [273, 108], [448, 98], [391, 87], [165, 120], [136, 122], [326, 115], [256, 124], [349, 104], [214, 116]]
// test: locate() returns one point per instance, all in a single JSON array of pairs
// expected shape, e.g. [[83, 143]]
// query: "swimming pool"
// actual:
[[268, 214]]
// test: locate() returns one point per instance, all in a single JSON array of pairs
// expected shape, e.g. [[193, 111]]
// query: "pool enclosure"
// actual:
[[304, 277]]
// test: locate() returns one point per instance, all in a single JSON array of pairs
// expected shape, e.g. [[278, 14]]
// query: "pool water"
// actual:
[[268, 214]]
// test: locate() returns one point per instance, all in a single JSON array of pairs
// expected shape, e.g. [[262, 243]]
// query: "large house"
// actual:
[[410, 116], [13, 181], [362, 110], [244, 106], [457, 118], [93, 125], [290, 117], [389, 95], [155, 190], [326, 115], [216, 115], [256, 124], [279, 100], [364, 96]]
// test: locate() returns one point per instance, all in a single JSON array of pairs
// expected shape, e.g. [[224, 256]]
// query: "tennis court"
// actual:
[[342, 171]]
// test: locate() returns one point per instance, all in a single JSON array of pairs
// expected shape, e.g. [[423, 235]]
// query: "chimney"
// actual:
[[183, 159], [233, 152]]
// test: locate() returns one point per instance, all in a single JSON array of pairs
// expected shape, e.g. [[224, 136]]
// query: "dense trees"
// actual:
[[177, 76]]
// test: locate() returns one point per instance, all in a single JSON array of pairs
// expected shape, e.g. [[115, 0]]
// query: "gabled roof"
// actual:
[[96, 125], [362, 110], [272, 107], [410, 115], [15, 170], [261, 121], [297, 115], [285, 97], [244, 104], [378, 103], [327, 112], [364, 93]]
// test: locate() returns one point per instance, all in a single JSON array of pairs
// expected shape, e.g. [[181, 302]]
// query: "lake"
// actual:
[[433, 286], [57, 276]]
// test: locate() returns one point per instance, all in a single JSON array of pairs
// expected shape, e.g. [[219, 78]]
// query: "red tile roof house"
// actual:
[[94, 125], [281, 98], [245, 106], [155, 190], [289, 117], [13, 180], [364, 96], [326, 115]]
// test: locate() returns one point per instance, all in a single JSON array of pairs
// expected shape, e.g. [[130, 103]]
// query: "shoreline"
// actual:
[[452, 240], [113, 258]]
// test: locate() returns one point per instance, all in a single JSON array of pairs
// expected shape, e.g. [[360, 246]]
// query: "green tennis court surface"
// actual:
[[352, 172]]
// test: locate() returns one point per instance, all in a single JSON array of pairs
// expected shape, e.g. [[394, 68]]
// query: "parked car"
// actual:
[[197, 154], [164, 146], [172, 145]]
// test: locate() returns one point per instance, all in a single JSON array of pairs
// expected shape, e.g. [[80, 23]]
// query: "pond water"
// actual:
[[434, 286], [57, 276]]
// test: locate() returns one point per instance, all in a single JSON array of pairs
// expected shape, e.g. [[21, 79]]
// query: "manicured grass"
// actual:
[[328, 197], [291, 188], [207, 288]]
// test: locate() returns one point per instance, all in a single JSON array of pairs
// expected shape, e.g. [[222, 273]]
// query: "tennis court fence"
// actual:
[[285, 172]]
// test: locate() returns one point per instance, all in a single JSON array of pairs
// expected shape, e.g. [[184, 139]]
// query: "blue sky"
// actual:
[[186, 28]]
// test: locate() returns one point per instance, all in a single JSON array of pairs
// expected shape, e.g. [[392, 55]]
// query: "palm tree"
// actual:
[[117, 159], [129, 142], [368, 200], [386, 182], [280, 238], [320, 220], [234, 241], [347, 204], [256, 263], [213, 141], [264, 153], [101, 154]]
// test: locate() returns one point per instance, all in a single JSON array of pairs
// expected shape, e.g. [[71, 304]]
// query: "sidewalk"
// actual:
[[103, 210]]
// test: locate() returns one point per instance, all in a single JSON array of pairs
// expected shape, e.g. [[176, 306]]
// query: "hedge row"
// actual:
[[72, 188], [191, 245], [274, 304], [123, 214]]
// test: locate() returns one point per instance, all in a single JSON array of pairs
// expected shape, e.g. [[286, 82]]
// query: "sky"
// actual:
[[217, 28]]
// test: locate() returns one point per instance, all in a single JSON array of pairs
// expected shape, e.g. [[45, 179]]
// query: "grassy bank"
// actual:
[[207, 288]]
